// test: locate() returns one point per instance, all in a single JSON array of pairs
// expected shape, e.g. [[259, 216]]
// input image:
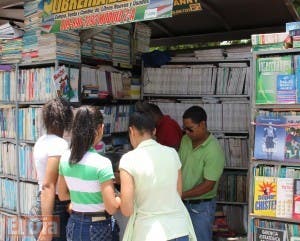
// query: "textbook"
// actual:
[[267, 72]]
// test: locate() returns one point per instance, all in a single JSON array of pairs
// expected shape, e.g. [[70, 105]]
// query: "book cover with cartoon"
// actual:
[[270, 137]]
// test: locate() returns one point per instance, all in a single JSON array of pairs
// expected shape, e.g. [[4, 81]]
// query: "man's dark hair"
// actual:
[[196, 114], [151, 108], [57, 116], [155, 109], [84, 131]]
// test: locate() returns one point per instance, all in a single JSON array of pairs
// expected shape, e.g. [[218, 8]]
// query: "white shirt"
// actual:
[[45, 147]]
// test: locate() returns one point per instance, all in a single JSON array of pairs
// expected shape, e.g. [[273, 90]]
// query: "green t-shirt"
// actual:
[[205, 161], [84, 179]]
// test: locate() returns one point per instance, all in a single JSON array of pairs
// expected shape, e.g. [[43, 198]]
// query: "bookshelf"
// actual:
[[222, 87], [274, 169], [30, 86]]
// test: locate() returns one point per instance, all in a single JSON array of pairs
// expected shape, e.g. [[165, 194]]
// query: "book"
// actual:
[[264, 234], [62, 83], [292, 139], [294, 238], [265, 195], [284, 202], [286, 89], [270, 137], [296, 204], [266, 77]]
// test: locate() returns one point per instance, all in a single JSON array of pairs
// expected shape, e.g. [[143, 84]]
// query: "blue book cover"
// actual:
[[286, 89], [270, 137]]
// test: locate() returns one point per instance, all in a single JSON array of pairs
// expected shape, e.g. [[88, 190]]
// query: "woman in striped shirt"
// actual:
[[87, 178]]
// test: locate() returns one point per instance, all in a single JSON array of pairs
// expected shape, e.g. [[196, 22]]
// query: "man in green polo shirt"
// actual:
[[202, 165]]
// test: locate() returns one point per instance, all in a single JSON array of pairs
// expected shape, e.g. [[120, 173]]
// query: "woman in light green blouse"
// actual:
[[151, 187]]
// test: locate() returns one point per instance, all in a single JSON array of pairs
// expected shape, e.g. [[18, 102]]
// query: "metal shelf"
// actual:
[[232, 203], [27, 141], [278, 107], [274, 163], [8, 211], [236, 168], [279, 51], [7, 102], [48, 62], [12, 140], [28, 180], [288, 220], [201, 60], [31, 102], [187, 96], [6, 176]]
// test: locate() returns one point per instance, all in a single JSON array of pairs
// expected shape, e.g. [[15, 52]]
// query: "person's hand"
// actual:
[[46, 233], [69, 208], [118, 199]]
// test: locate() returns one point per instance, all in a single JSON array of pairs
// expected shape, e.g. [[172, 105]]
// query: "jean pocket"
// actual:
[[70, 231], [100, 231], [202, 208]]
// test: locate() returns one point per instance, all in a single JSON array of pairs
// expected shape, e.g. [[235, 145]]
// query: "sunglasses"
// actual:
[[188, 129]]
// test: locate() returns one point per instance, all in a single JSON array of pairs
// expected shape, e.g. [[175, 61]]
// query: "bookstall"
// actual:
[[102, 66]]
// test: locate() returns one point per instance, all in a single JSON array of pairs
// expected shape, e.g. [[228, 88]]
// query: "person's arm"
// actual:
[[111, 202], [199, 190], [179, 183], [63, 191], [48, 197], [127, 193]]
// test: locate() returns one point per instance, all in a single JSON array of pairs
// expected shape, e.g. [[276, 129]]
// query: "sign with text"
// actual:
[[268, 234], [30, 226], [60, 15], [186, 6]]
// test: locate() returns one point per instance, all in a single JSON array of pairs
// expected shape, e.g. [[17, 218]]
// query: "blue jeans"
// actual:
[[82, 228], [202, 215], [183, 238]]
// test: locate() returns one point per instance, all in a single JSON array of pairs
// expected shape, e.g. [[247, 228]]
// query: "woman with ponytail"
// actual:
[[151, 187], [86, 178]]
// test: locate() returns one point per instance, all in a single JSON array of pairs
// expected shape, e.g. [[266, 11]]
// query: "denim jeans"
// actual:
[[183, 238], [82, 228], [202, 215], [59, 211]]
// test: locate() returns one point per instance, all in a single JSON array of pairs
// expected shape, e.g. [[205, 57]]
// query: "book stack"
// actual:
[[10, 31], [68, 46], [239, 52], [86, 49], [102, 45], [142, 35], [32, 23], [209, 54], [10, 50], [270, 41], [121, 55]]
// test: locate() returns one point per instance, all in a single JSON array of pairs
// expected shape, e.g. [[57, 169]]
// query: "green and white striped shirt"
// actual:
[[83, 180]]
